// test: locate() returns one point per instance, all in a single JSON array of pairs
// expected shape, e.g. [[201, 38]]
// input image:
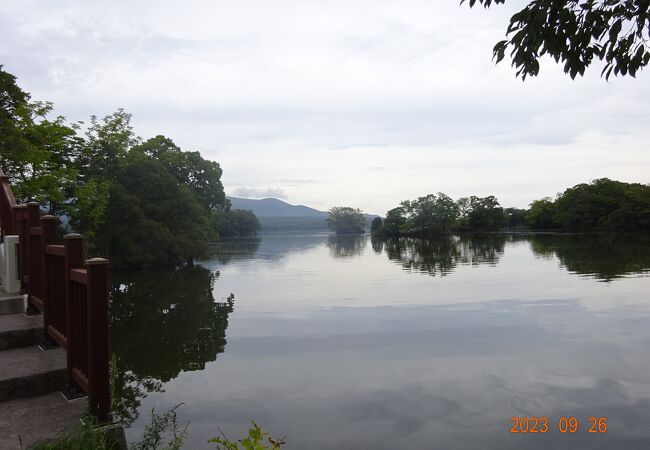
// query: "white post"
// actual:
[[9, 265]]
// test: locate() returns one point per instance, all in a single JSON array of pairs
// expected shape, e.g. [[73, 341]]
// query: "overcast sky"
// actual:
[[324, 103]]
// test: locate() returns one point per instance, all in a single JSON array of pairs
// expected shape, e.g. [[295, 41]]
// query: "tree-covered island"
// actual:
[[602, 205]]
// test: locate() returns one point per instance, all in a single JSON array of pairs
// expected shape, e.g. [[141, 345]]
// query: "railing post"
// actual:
[[34, 214], [73, 244], [97, 301], [48, 224]]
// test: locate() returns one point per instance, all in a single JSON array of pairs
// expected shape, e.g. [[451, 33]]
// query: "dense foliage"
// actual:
[[602, 205], [236, 223], [440, 215], [515, 217], [139, 203], [346, 220], [577, 32], [431, 214], [478, 213], [35, 152], [153, 219]]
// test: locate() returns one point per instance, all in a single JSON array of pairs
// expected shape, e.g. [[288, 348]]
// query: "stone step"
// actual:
[[19, 330], [11, 303], [29, 421], [30, 371]]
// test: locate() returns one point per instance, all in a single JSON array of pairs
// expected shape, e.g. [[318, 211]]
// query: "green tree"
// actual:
[[576, 32], [36, 152], [515, 217], [346, 220], [236, 223], [106, 146], [154, 220], [480, 213], [395, 221], [604, 204], [12, 103], [102, 160], [541, 214], [430, 214], [202, 176]]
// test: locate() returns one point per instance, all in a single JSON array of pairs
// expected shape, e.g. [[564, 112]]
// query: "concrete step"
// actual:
[[11, 303], [30, 421], [30, 371], [19, 330]]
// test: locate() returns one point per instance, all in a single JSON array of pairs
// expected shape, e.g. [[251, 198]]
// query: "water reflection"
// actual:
[[346, 246], [271, 247], [441, 255], [483, 249], [162, 323], [432, 256], [392, 359], [605, 257], [377, 244], [231, 250]]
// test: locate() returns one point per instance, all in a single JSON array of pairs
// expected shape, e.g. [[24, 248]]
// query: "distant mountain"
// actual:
[[276, 215], [272, 207]]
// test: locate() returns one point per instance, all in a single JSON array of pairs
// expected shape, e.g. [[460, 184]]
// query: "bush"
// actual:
[[254, 441]]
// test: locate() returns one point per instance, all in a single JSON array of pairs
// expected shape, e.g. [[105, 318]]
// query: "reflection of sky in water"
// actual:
[[358, 352]]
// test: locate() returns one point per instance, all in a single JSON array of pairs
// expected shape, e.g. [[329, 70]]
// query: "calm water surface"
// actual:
[[356, 343]]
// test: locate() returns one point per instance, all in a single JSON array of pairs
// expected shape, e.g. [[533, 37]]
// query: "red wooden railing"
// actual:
[[71, 294]]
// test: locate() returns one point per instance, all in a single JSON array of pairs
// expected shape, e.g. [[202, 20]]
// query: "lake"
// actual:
[[359, 343]]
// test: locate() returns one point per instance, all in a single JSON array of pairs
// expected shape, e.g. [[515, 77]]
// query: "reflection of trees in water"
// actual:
[[270, 247], [346, 246], [605, 257], [162, 323], [481, 249], [440, 256], [377, 244], [230, 250], [432, 256]]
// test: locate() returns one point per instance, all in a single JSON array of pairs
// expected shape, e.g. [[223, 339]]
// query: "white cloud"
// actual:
[[251, 192]]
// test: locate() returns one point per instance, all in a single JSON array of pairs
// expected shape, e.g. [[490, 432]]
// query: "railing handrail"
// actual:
[[7, 188]]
